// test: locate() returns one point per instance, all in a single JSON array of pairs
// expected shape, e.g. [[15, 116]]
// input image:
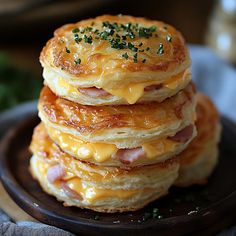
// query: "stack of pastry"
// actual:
[[118, 115]]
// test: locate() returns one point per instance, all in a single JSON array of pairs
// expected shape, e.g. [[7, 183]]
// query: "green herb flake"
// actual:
[[146, 32], [141, 44], [75, 30], [136, 58], [67, 49], [88, 39], [125, 55], [77, 61], [160, 50], [147, 49], [77, 38]]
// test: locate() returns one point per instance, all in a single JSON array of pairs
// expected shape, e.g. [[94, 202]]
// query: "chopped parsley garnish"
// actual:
[[160, 50], [67, 50], [75, 30], [119, 36], [146, 32], [88, 39], [136, 58], [125, 55], [77, 61], [77, 38]]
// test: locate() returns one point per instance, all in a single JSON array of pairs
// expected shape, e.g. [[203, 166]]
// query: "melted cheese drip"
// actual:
[[132, 92], [101, 152], [92, 194]]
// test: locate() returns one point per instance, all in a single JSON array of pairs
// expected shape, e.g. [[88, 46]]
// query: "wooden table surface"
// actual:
[[10, 207]]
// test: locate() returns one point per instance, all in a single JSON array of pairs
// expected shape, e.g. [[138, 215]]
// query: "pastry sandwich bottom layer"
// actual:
[[75, 191]]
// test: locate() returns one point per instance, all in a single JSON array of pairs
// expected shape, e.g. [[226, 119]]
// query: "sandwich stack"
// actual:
[[118, 114]]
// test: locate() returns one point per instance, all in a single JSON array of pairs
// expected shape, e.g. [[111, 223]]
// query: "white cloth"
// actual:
[[215, 78]]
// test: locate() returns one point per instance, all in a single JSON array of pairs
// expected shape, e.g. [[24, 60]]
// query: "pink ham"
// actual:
[[153, 87], [55, 173], [128, 156], [183, 135], [93, 92], [70, 192]]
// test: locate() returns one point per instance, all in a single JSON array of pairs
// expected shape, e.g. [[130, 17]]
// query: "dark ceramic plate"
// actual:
[[198, 210]]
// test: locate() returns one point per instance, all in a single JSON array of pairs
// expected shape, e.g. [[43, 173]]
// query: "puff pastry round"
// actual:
[[106, 55], [124, 126]]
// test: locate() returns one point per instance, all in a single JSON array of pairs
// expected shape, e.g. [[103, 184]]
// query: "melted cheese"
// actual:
[[101, 152], [92, 194], [69, 88], [154, 149], [89, 193], [132, 92]]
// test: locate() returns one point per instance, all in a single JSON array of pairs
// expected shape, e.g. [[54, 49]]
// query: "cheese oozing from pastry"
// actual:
[[101, 152], [92, 194], [130, 92]]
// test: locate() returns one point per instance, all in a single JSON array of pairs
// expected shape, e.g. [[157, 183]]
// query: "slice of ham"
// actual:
[[183, 135], [55, 173], [128, 156], [153, 87], [93, 92], [70, 192]]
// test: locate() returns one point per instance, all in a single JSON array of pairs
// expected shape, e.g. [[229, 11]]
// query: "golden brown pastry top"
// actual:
[[92, 119], [116, 49]]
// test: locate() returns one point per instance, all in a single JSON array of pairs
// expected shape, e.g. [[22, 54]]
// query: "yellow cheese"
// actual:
[[92, 194], [154, 149], [100, 152], [42, 166], [69, 88], [132, 92]]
